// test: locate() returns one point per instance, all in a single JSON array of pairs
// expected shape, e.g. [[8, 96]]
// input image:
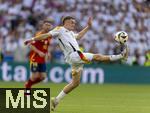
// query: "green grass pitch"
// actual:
[[107, 98]]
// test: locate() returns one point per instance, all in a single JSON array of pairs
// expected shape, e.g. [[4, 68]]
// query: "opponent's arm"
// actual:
[[82, 32], [41, 54]]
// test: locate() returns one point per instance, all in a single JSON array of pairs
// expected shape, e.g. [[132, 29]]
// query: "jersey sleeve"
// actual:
[[75, 35], [55, 32]]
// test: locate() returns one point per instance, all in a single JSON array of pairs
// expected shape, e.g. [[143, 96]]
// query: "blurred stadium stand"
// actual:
[[19, 20]]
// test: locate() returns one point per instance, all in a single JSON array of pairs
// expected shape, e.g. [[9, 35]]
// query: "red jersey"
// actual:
[[41, 45]]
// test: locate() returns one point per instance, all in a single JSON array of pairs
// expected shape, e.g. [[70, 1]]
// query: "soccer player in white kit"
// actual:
[[73, 56]]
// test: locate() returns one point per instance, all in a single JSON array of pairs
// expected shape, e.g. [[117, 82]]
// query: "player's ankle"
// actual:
[[116, 57], [60, 96]]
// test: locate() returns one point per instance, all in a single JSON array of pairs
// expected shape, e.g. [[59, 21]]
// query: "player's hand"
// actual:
[[26, 42], [48, 56], [41, 54], [125, 52], [89, 23]]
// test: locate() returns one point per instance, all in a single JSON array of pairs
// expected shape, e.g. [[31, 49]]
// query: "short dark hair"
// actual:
[[67, 18]]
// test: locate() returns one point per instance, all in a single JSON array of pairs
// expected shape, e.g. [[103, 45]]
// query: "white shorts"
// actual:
[[76, 62]]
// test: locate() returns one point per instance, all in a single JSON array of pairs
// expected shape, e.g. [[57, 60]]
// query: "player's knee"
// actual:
[[75, 83], [42, 76], [74, 73]]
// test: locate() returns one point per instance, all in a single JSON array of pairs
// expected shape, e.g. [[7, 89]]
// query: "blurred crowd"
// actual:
[[19, 20]]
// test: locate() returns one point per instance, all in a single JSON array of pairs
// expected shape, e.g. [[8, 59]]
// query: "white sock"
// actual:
[[60, 96], [115, 57]]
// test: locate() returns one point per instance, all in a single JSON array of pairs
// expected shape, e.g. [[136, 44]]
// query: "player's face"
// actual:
[[47, 26], [71, 24]]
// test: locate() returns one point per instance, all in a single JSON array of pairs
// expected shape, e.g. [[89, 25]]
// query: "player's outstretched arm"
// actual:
[[43, 36], [84, 30], [40, 37]]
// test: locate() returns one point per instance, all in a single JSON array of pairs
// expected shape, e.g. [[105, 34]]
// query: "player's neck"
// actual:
[[44, 31]]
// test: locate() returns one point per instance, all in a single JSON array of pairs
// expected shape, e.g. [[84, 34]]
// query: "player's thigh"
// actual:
[[73, 58], [76, 58]]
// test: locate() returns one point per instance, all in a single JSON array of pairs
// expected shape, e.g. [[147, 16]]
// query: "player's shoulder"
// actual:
[[58, 28]]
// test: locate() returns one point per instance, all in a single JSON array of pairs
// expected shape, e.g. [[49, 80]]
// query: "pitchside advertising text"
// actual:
[[92, 73], [25, 101], [55, 73]]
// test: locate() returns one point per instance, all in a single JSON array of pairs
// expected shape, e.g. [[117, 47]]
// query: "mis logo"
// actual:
[[25, 101]]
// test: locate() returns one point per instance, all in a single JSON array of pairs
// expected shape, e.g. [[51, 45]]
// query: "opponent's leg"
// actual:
[[31, 80], [41, 76], [35, 78], [38, 74]]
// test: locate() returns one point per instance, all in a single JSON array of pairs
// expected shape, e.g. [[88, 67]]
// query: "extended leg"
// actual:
[[106, 58]]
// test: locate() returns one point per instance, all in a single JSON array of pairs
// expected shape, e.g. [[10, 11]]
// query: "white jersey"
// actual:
[[67, 40], [69, 46]]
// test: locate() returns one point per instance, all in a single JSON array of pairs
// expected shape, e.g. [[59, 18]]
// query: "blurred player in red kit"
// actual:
[[38, 54]]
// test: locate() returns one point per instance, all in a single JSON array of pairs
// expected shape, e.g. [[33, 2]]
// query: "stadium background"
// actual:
[[19, 19]]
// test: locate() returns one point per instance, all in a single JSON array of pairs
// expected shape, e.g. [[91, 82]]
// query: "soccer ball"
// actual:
[[121, 37]]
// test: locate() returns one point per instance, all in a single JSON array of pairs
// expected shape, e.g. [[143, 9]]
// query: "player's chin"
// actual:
[[72, 28], [49, 28]]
